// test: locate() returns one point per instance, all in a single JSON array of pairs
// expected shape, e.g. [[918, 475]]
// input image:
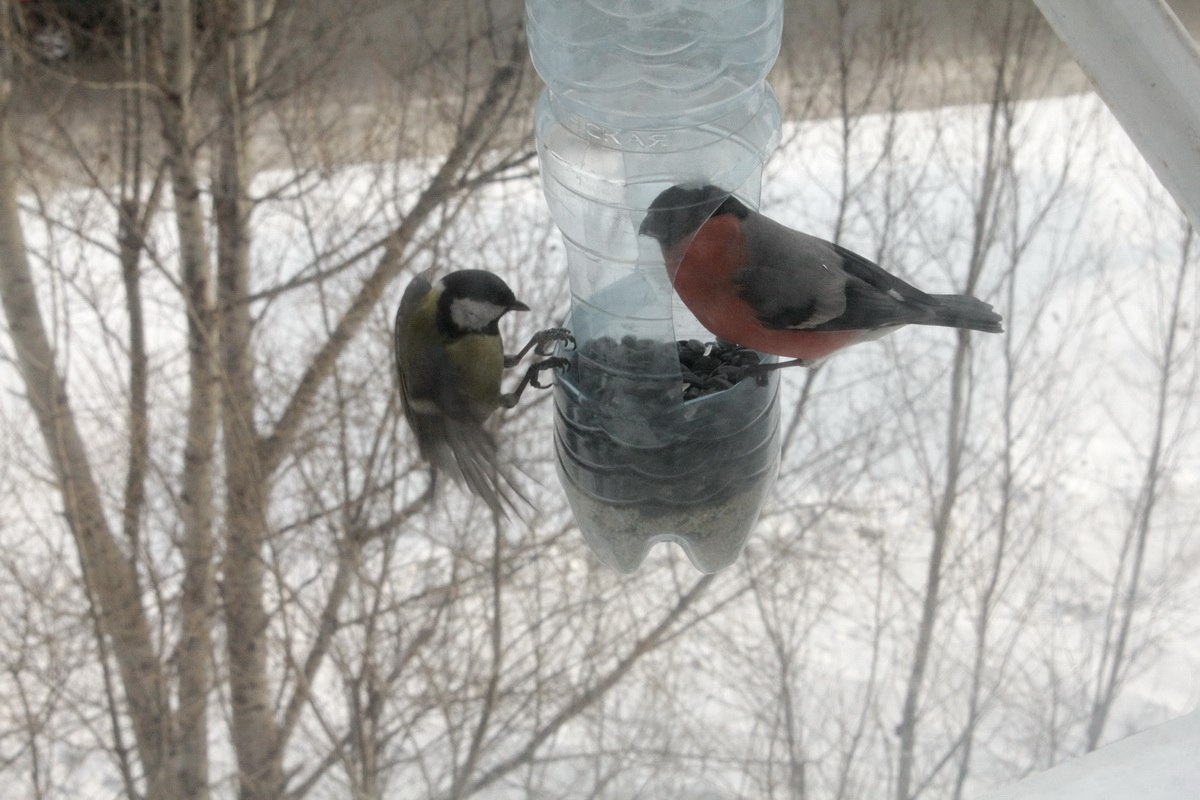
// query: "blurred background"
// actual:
[[224, 570]]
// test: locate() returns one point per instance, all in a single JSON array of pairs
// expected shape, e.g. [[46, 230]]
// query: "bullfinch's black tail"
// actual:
[[963, 311]]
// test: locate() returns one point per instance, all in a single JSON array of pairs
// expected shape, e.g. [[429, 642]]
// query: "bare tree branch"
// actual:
[[434, 195], [110, 572]]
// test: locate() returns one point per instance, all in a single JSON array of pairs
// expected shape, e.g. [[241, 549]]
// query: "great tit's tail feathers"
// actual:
[[468, 454], [964, 311]]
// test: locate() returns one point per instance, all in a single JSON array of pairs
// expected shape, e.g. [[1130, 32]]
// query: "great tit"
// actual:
[[450, 360], [756, 283]]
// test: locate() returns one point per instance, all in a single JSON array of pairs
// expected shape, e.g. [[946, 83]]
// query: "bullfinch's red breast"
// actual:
[[759, 284]]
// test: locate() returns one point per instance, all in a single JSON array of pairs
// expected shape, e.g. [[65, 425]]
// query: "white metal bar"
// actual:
[[1146, 66], [1157, 764]]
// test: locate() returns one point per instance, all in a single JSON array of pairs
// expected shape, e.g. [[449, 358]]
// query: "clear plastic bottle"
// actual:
[[642, 95]]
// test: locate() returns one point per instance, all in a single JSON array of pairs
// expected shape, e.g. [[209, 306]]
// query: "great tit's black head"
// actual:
[[679, 212], [474, 300]]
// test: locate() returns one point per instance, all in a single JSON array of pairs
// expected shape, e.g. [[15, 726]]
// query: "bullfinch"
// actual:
[[759, 284], [450, 360]]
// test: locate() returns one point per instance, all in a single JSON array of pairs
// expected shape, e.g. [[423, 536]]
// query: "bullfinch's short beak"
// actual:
[[517, 305]]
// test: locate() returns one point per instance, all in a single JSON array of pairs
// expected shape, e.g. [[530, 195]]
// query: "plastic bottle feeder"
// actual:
[[641, 96]]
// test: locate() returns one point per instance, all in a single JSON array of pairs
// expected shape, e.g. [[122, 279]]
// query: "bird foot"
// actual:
[[531, 378], [760, 371], [551, 336], [547, 364], [538, 343]]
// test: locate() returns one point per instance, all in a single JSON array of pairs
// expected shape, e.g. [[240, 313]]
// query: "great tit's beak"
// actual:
[[517, 305]]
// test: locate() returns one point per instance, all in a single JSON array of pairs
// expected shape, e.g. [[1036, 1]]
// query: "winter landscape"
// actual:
[[224, 573]]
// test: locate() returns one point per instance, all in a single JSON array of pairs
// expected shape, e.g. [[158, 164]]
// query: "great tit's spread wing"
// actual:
[[467, 453]]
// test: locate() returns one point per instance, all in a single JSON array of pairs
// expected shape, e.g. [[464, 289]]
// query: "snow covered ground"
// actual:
[[1095, 246]]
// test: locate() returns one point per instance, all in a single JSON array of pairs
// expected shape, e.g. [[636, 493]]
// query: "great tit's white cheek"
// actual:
[[474, 315]]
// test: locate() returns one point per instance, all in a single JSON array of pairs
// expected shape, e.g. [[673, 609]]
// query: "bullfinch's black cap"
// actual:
[[679, 212]]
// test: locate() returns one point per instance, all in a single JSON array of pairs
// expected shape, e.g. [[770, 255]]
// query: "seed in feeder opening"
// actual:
[[714, 367], [705, 367]]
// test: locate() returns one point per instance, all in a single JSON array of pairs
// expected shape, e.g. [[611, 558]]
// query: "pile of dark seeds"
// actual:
[[637, 451], [715, 366], [706, 367]]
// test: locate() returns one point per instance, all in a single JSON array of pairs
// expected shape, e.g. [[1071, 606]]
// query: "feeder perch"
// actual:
[[643, 95]]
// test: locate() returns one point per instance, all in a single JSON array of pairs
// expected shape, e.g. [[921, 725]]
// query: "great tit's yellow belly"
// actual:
[[459, 378], [479, 361]]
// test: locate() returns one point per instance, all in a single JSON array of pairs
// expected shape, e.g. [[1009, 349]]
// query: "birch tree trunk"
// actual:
[[256, 738], [108, 569], [174, 101]]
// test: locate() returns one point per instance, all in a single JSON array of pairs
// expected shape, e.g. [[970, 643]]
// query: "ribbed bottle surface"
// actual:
[[635, 60], [642, 95]]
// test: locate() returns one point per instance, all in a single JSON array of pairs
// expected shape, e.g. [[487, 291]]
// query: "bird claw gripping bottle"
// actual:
[[642, 95]]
